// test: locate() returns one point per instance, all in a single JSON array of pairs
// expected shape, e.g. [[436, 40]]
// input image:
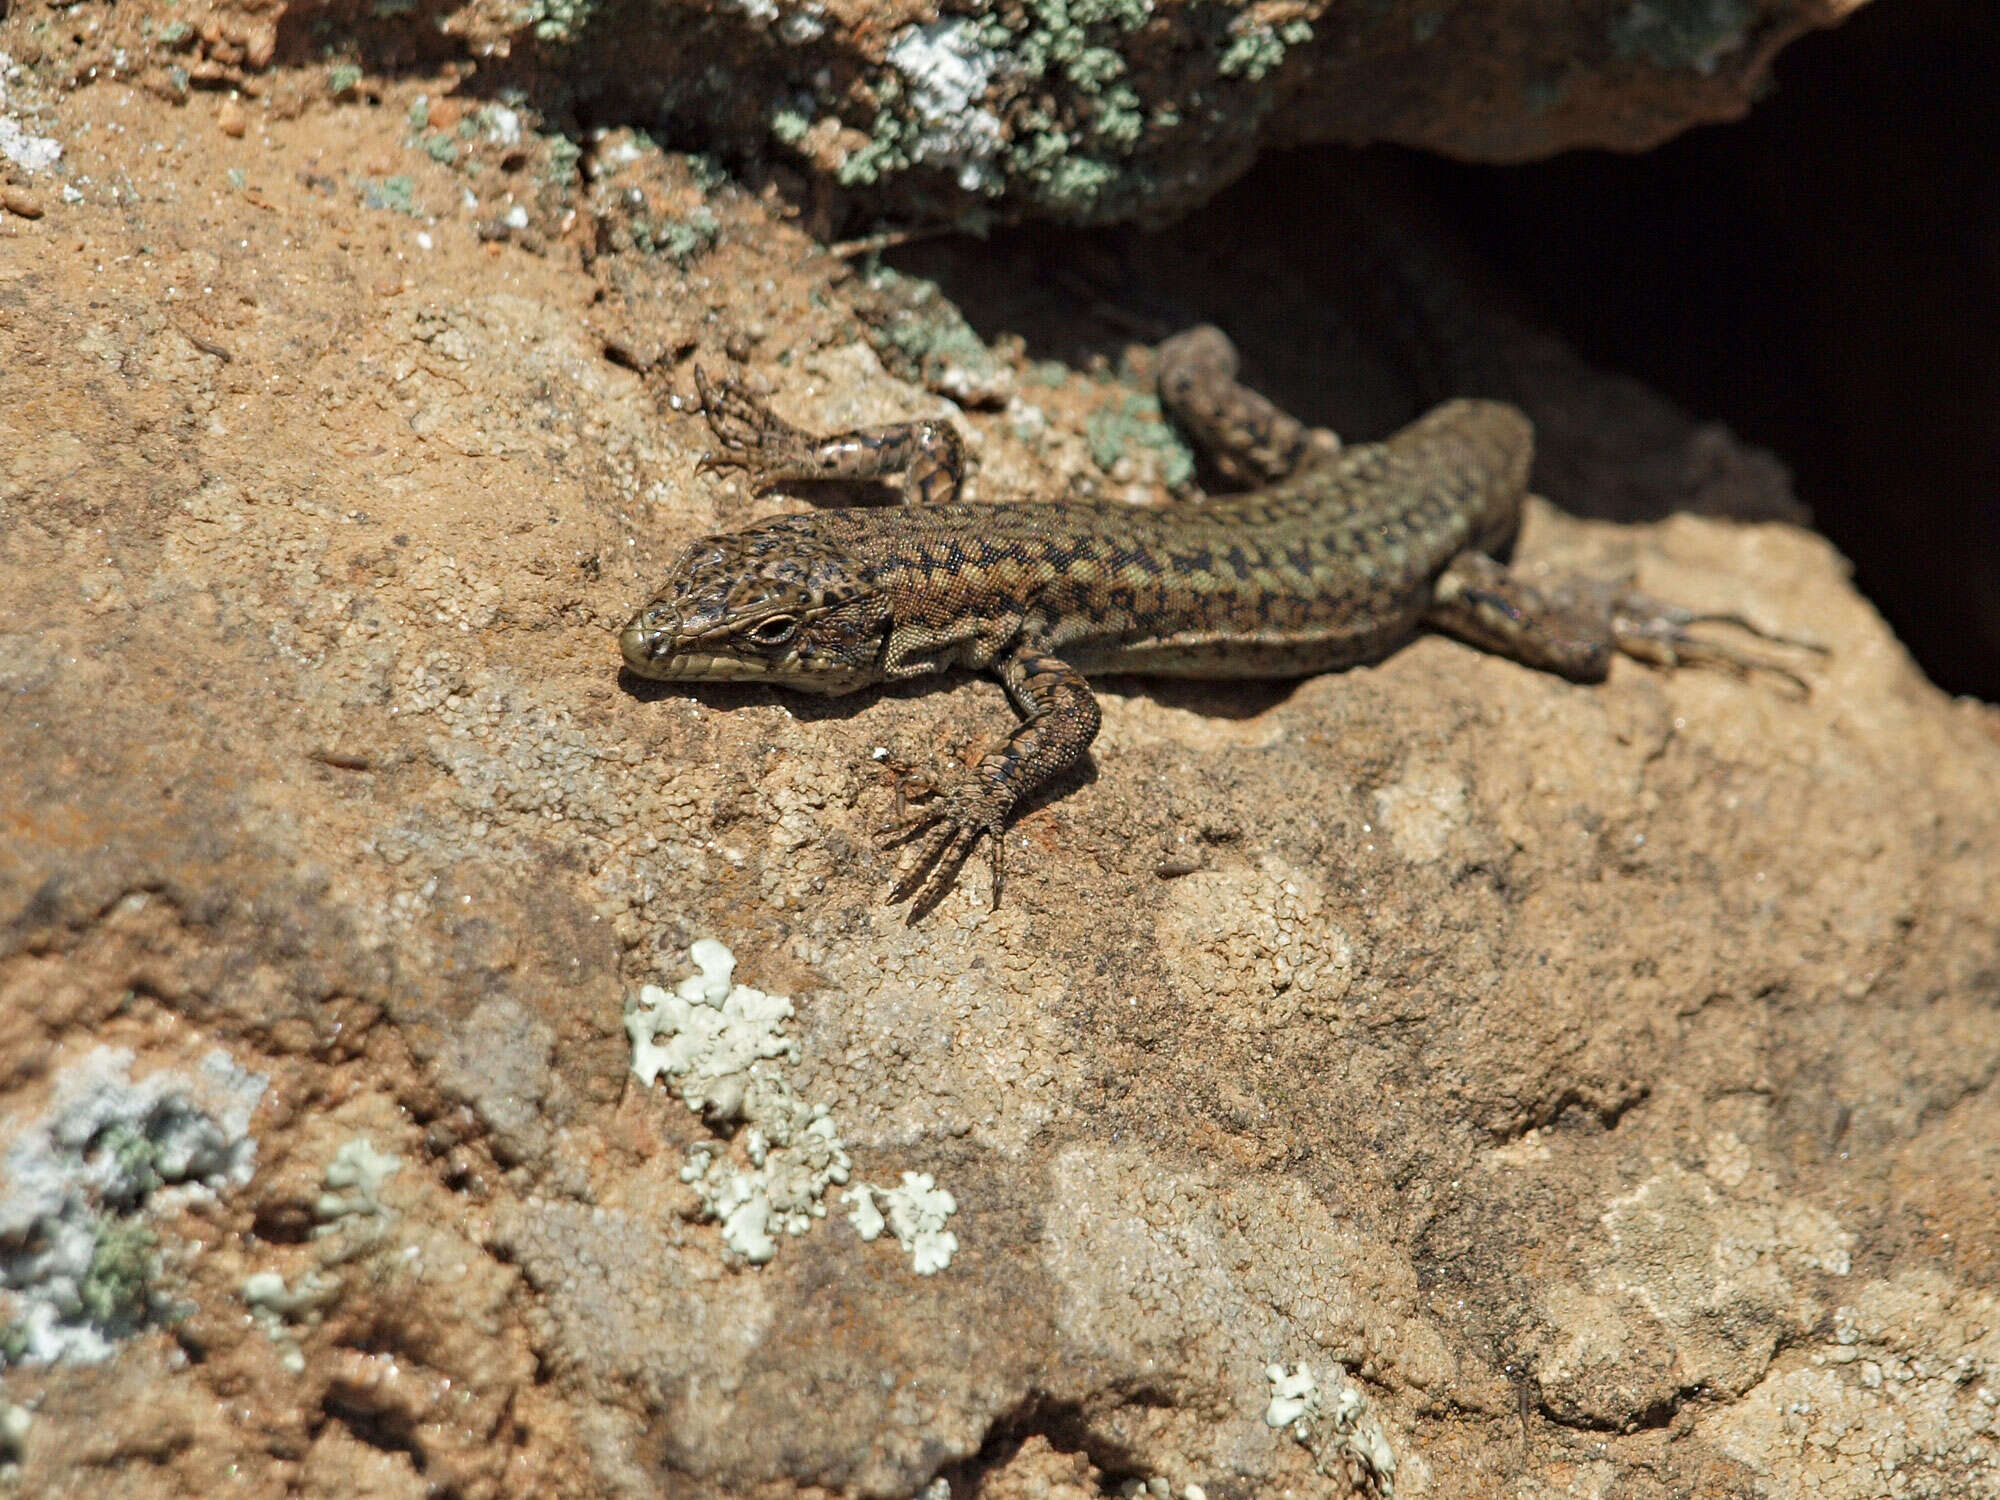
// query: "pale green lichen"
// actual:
[[918, 1210], [116, 1292], [789, 125], [1115, 430], [276, 1307], [921, 335], [680, 240], [1329, 1415], [1694, 34], [719, 1045], [557, 20], [1035, 100], [393, 194], [78, 1264], [1256, 48], [353, 1185]]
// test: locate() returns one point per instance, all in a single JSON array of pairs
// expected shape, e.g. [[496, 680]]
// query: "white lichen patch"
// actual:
[[948, 71], [29, 152], [276, 1306], [353, 1182], [719, 1045], [1329, 1415], [715, 1033], [795, 1157], [75, 1257], [917, 1213]]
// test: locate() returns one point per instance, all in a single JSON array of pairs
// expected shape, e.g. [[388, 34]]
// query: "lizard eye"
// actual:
[[774, 631]]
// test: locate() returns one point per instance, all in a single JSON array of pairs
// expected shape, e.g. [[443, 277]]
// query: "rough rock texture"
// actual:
[[1593, 1089], [1084, 110]]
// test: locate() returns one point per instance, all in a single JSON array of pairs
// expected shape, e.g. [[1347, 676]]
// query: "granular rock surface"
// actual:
[[1437, 1078]]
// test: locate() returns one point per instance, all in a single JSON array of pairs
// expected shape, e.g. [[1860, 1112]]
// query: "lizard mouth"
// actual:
[[651, 653]]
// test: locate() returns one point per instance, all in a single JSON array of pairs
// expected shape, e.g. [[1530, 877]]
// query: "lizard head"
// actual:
[[776, 603]]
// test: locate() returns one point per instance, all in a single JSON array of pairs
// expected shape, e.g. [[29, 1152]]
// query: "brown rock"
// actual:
[[1599, 1077], [231, 118], [18, 200]]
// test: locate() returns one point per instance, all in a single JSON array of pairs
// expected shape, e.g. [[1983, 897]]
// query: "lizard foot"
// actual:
[[749, 431], [1651, 630], [948, 834]]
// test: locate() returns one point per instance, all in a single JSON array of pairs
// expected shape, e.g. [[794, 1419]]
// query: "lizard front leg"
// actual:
[[755, 439], [1574, 627], [1060, 719]]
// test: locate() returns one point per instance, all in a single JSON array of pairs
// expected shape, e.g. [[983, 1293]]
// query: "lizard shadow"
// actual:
[[811, 709], [1219, 698], [1215, 698]]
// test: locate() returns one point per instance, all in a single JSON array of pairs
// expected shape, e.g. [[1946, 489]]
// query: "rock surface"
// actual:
[[1082, 110], [1527, 1088]]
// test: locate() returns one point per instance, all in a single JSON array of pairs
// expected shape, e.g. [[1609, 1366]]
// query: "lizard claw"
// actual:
[[1650, 630], [949, 833], [751, 433]]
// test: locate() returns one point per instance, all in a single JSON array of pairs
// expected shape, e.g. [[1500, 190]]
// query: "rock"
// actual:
[[231, 120], [1551, 1084], [1106, 110]]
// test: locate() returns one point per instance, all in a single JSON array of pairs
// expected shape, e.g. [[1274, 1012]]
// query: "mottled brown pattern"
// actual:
[[1338, 560]]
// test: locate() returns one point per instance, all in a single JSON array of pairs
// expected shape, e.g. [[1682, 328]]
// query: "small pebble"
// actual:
[[232, 119], [21, 201]]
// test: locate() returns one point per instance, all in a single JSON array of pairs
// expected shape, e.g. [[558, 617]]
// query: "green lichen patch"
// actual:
[[396, 193], [1133, 427], [79, 1265], [1692, 34], [116, 1294], [920, 335], [647, 201]]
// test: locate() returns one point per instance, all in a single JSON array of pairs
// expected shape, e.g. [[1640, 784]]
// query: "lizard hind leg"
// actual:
[[1575, 626], [1247, 436]]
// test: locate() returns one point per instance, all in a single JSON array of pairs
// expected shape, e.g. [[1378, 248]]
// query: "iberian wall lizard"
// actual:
[[1338, 557]]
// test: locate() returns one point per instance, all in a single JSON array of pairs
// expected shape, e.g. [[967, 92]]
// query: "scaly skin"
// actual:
[[1341, 557]]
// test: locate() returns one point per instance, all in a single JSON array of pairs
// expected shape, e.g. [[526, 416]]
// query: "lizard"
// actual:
[[1336, 557]]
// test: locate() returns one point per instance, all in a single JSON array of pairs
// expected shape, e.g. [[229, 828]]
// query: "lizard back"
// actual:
[[1326, 569]]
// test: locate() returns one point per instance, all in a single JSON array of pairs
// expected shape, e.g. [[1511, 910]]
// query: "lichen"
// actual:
[[77, 1261], [720, 1045], [680, 240], [393, 194], [1328, 1414], [1694, 34], [918, 1210], [1256, 48], [1115, 430], [559, 21], [1034, 98], [353, 1185], [921, 335]]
